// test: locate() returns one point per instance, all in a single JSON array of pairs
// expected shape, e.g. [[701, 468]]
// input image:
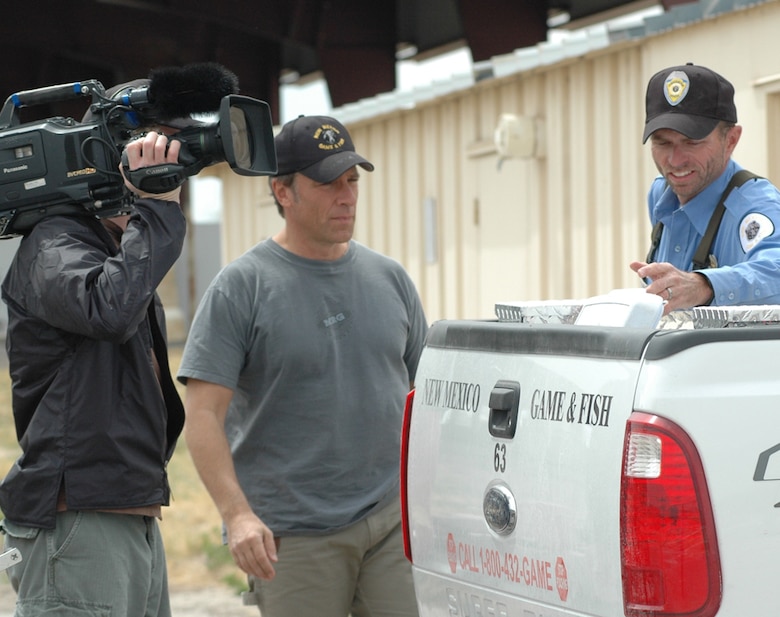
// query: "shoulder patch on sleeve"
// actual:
[[753, 228]]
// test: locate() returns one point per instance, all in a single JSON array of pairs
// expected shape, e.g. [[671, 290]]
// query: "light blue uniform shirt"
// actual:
[[746, 247]]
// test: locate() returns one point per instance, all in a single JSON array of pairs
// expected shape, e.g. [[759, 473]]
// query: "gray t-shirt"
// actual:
[[319, 355]]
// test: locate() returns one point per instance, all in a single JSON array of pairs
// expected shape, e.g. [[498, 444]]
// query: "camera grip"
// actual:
[[156, 178]]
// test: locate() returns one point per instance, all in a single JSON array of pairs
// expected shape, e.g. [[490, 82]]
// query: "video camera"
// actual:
[[62, 166]]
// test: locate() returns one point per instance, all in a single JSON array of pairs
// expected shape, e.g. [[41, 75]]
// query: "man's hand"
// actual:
[[252, 545], [680, 290], [150, 150], [250, 541]]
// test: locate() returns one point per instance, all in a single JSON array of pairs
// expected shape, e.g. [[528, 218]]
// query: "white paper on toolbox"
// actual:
[[626, 307]]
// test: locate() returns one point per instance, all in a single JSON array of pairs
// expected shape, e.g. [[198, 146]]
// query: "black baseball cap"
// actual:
[[689, 99], [319, 147]]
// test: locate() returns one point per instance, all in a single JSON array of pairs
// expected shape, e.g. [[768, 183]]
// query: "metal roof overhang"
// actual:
[[352, 43]]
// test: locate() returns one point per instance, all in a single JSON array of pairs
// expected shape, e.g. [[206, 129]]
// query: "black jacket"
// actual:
[[90, 413]]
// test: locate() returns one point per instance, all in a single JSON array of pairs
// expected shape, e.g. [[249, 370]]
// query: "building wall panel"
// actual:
[[563, 224]]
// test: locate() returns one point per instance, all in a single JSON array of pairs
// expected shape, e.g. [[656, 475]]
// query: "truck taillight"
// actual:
[[669, 551], [404, 466]]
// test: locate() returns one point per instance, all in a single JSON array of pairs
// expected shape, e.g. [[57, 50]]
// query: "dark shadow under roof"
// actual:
[[352, 43]]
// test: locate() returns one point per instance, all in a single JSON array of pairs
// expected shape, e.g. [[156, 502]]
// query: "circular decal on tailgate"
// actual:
[[452, 553], [561, 579]]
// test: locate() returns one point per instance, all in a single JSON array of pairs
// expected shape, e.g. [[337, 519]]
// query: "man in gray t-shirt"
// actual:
[[297, 366]]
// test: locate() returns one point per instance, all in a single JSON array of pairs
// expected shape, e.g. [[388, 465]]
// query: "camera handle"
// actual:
[[157, 178], [49, 94]]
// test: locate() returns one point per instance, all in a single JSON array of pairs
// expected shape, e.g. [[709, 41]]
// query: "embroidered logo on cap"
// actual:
[[676, 87], [329, 137]]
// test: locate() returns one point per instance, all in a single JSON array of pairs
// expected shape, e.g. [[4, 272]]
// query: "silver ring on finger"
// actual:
[[669, 293]]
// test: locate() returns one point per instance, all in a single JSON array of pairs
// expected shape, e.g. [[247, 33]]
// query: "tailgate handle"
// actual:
[[504, 401]]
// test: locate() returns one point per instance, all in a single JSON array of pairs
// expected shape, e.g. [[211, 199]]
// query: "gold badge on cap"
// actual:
[[676, 87], [329, 137]]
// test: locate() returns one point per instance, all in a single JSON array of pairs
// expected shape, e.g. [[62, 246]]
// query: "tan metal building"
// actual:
[[565, 217]]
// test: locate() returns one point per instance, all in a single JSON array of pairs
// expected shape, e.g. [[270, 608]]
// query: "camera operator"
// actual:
[[97, 414]]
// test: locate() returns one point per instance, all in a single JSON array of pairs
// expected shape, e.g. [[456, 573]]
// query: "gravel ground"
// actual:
[[184, 603]]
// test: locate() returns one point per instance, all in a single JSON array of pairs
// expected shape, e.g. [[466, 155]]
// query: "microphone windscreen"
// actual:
[[177, 92]]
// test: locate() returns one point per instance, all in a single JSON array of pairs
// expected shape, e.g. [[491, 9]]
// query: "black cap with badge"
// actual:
[[319, 147], [689, 99]]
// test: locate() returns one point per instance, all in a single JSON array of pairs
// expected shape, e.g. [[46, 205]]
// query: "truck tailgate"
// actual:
[[520, 517]]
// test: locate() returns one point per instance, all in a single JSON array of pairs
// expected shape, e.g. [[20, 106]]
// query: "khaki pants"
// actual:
[[96, 564], [360, 570]]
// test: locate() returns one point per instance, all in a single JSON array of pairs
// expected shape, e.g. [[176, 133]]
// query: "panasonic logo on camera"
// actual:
[[10, 170]]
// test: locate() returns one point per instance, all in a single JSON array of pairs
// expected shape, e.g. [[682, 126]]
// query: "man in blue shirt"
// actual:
[[691, 122]]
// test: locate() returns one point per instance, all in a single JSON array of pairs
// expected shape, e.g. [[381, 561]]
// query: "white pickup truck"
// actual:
[[556, 466]]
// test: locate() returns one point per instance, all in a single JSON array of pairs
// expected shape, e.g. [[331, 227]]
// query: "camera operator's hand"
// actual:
[[151, 150]]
